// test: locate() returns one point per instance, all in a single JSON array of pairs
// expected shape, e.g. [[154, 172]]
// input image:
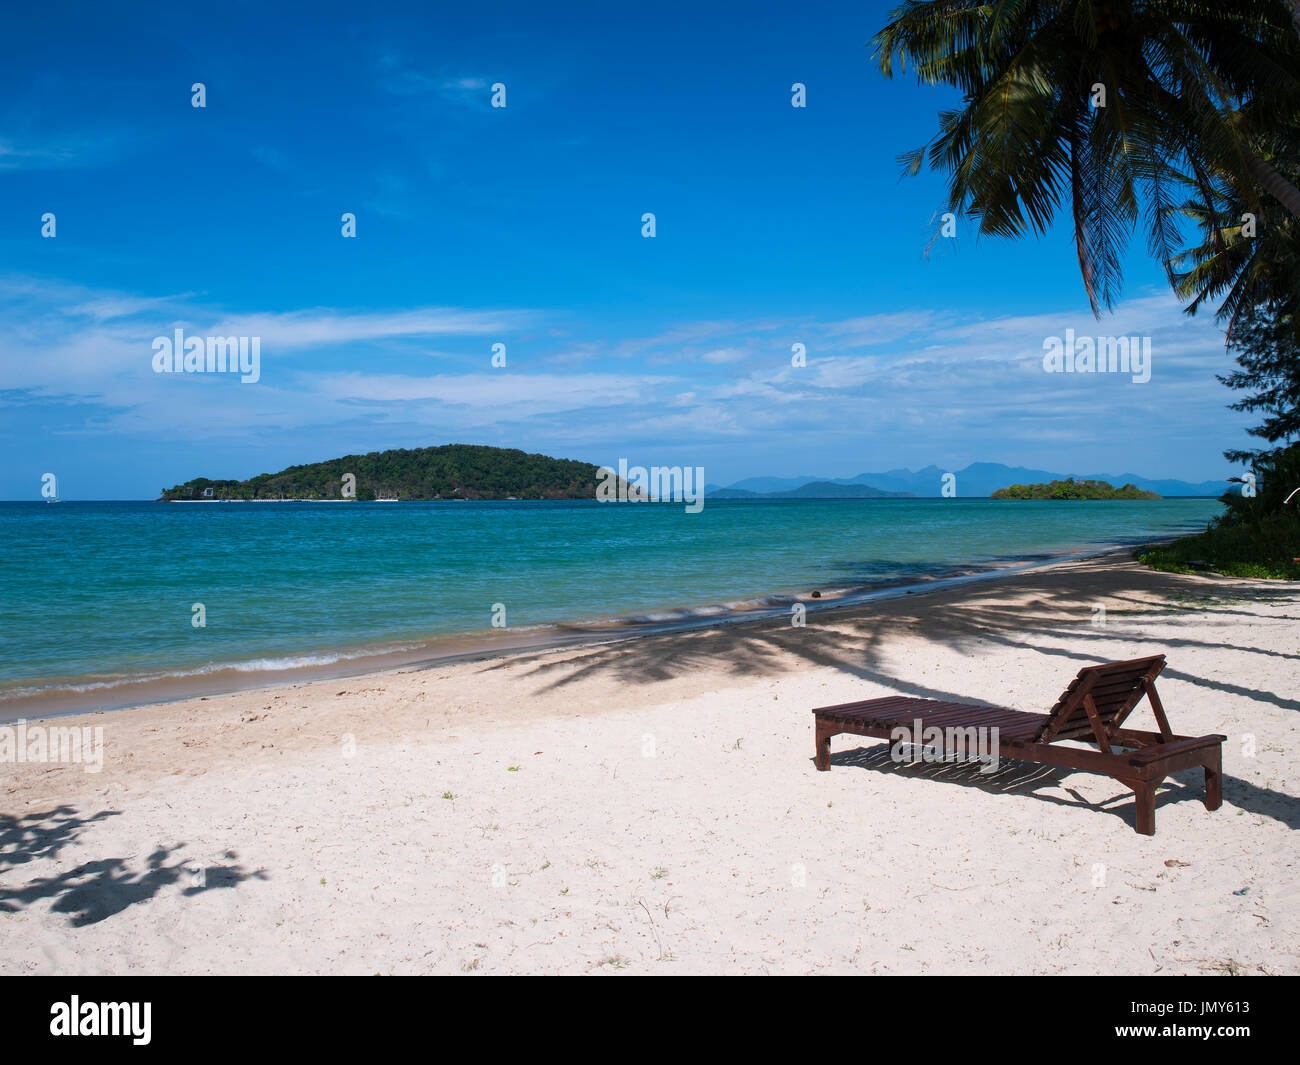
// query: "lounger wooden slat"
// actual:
[[1092, 709], [889, 712], [942, 718]]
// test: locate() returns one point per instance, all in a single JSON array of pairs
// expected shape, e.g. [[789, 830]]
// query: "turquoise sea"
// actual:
[[93, 595]]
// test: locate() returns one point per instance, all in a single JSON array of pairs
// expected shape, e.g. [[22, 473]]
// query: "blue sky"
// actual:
[[522, 226]]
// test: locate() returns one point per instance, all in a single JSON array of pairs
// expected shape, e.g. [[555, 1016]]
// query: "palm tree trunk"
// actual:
[[1270, 180]]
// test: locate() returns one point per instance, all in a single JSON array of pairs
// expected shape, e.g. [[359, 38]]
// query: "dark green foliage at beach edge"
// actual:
[[1266, 551], [452, 471], [1072, 489], [1258, 536]]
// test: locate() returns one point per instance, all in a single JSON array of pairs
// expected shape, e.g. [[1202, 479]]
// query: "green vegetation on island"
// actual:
[[452, 471], [1072, 489]]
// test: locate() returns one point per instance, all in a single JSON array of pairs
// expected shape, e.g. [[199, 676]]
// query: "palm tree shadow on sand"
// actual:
[[95, 890], [1058, 606]]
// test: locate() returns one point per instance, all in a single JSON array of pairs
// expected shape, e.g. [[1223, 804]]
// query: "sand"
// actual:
[[651, 806]]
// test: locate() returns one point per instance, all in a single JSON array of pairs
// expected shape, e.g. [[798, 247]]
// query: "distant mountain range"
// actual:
[[979, 479], [813, 490], [465, 471]]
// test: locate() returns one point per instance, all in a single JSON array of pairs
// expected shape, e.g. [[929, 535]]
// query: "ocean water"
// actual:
[[94, 594]]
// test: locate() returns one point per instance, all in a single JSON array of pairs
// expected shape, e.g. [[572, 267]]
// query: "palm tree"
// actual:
[[1109, 103], [1244, 259]]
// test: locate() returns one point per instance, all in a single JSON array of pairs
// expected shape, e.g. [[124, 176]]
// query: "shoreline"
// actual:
[[651, 805], [88, 696]]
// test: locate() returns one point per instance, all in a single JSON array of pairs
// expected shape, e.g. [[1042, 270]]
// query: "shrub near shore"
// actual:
[[1258, 536]]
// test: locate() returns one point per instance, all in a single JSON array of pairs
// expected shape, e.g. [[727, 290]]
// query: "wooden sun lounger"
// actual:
[[1092, 710]]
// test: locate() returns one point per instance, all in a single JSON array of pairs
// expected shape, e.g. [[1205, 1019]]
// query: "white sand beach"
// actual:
[[651, 806]]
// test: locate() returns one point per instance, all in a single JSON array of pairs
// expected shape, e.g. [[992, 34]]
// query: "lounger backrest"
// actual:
[[1116, 688]]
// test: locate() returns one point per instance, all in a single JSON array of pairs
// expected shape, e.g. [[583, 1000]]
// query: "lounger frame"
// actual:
[[1092, 709]]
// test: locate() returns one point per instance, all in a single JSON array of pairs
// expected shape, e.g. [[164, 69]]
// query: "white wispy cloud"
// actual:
[[400, 78], [492, 393], [870, 382], [321, 327], [59, 151]]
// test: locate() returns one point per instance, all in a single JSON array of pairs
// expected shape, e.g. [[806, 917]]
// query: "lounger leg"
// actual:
[[824, 748], [1145, 794], [1214, 779]]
